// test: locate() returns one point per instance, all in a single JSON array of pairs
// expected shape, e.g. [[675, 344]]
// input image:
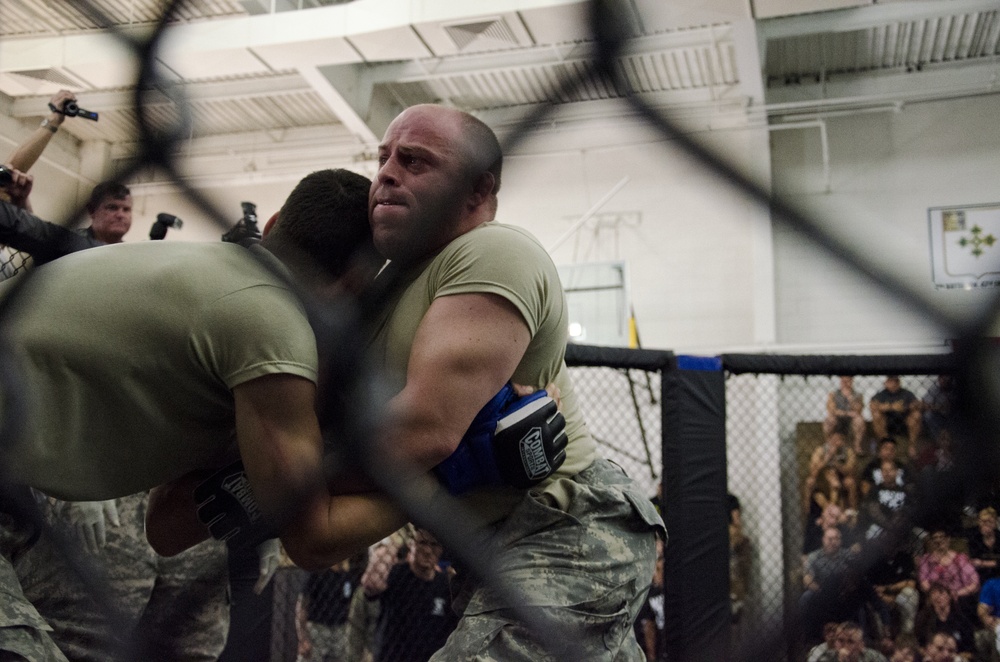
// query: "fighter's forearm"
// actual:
[[337, 527]]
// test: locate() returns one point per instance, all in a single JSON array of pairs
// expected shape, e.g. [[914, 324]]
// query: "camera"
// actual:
[[72, 109], [246, 227], [6, 177]]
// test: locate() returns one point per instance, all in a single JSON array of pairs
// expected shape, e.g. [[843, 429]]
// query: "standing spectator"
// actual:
[[984, 548], [322, 611], [941, 614], [28, 152], [416, 617], [849, 646], [844, 407], [896, 410]]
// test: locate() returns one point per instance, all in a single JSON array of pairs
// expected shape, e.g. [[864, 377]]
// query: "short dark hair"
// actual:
[[326, 218], [484, 144], [110, 189]]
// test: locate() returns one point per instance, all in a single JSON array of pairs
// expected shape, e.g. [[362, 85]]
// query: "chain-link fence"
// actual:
[[848, 483], [775, 423]]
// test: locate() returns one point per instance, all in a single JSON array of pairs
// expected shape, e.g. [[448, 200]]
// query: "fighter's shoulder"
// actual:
[[496, 236]]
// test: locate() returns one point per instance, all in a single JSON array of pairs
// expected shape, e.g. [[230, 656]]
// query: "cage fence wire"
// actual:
[[774, 426]]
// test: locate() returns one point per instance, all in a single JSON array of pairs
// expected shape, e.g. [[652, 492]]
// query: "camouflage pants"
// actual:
[[177, 606], [583, 574], [23, 632]]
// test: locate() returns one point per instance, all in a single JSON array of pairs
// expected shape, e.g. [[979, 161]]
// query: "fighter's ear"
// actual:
[[269, 224], [482, 188]]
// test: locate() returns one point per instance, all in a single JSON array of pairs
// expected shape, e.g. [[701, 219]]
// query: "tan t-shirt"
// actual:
[[509, 262], [131, 353]]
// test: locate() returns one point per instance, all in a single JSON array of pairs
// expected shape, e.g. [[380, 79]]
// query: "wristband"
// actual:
[[49, 124]]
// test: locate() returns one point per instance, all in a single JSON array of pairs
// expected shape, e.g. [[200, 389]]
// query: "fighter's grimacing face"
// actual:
[[422, 184]]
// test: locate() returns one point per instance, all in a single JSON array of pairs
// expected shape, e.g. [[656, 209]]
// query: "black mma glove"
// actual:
[[515, 441], [226, 505]]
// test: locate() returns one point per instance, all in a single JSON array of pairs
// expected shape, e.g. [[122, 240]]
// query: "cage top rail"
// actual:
[[883, 364]]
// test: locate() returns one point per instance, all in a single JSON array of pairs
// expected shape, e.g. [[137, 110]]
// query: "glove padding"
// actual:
[[515, 441], [227, 506], [89, 519]]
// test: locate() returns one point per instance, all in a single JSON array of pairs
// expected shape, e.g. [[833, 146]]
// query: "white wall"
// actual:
[[887, 169], [692, 254]]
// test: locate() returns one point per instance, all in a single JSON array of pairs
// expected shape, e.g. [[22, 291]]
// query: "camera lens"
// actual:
[[71, 109], [6, 176]]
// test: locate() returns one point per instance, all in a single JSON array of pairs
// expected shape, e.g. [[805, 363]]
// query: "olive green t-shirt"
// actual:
[[506, 261], [129, 354]]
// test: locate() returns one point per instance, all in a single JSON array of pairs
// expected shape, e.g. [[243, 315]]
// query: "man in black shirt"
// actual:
[[416, 616]]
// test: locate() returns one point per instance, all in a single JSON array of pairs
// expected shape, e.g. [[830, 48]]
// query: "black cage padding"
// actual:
[[618, 357], [696, 558], [791, 364]]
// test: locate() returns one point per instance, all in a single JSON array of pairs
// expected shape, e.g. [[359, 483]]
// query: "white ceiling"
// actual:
[[320, 83]]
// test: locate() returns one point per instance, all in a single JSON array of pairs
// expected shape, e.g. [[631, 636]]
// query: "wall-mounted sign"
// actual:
[[965, 246]]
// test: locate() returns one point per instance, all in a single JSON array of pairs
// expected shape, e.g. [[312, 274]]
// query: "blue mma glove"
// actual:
[[515, 441], [226, 505]]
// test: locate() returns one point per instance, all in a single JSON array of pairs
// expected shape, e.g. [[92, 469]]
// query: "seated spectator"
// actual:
[[893, 579], [834, 453], [984, 549], [871, 475], [849, 646], [844, 407], [938, 405], [831, 516], [896, 411], [826, 595], [886, 504], [953, 570], [829, 642], [941, 614], [905, 649], [942, 648], [989, 614]]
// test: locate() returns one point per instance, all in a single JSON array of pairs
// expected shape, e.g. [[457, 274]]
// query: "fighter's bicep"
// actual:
[[466, 347]]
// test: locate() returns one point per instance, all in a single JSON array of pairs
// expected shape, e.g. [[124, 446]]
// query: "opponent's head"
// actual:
[[322, 229], [438, 177], [110, 209]]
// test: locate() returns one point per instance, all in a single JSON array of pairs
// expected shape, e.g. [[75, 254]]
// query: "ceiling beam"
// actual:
[[860, 18], [934, 82]]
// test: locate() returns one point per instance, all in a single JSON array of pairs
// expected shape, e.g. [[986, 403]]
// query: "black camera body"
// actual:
[[6, 177], [72, 109], [246, 227]]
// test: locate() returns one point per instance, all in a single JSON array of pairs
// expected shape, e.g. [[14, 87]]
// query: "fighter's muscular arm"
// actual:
[[281, 448], [466, 347]]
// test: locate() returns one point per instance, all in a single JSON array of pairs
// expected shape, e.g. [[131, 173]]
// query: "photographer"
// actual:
[[30, 150]]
